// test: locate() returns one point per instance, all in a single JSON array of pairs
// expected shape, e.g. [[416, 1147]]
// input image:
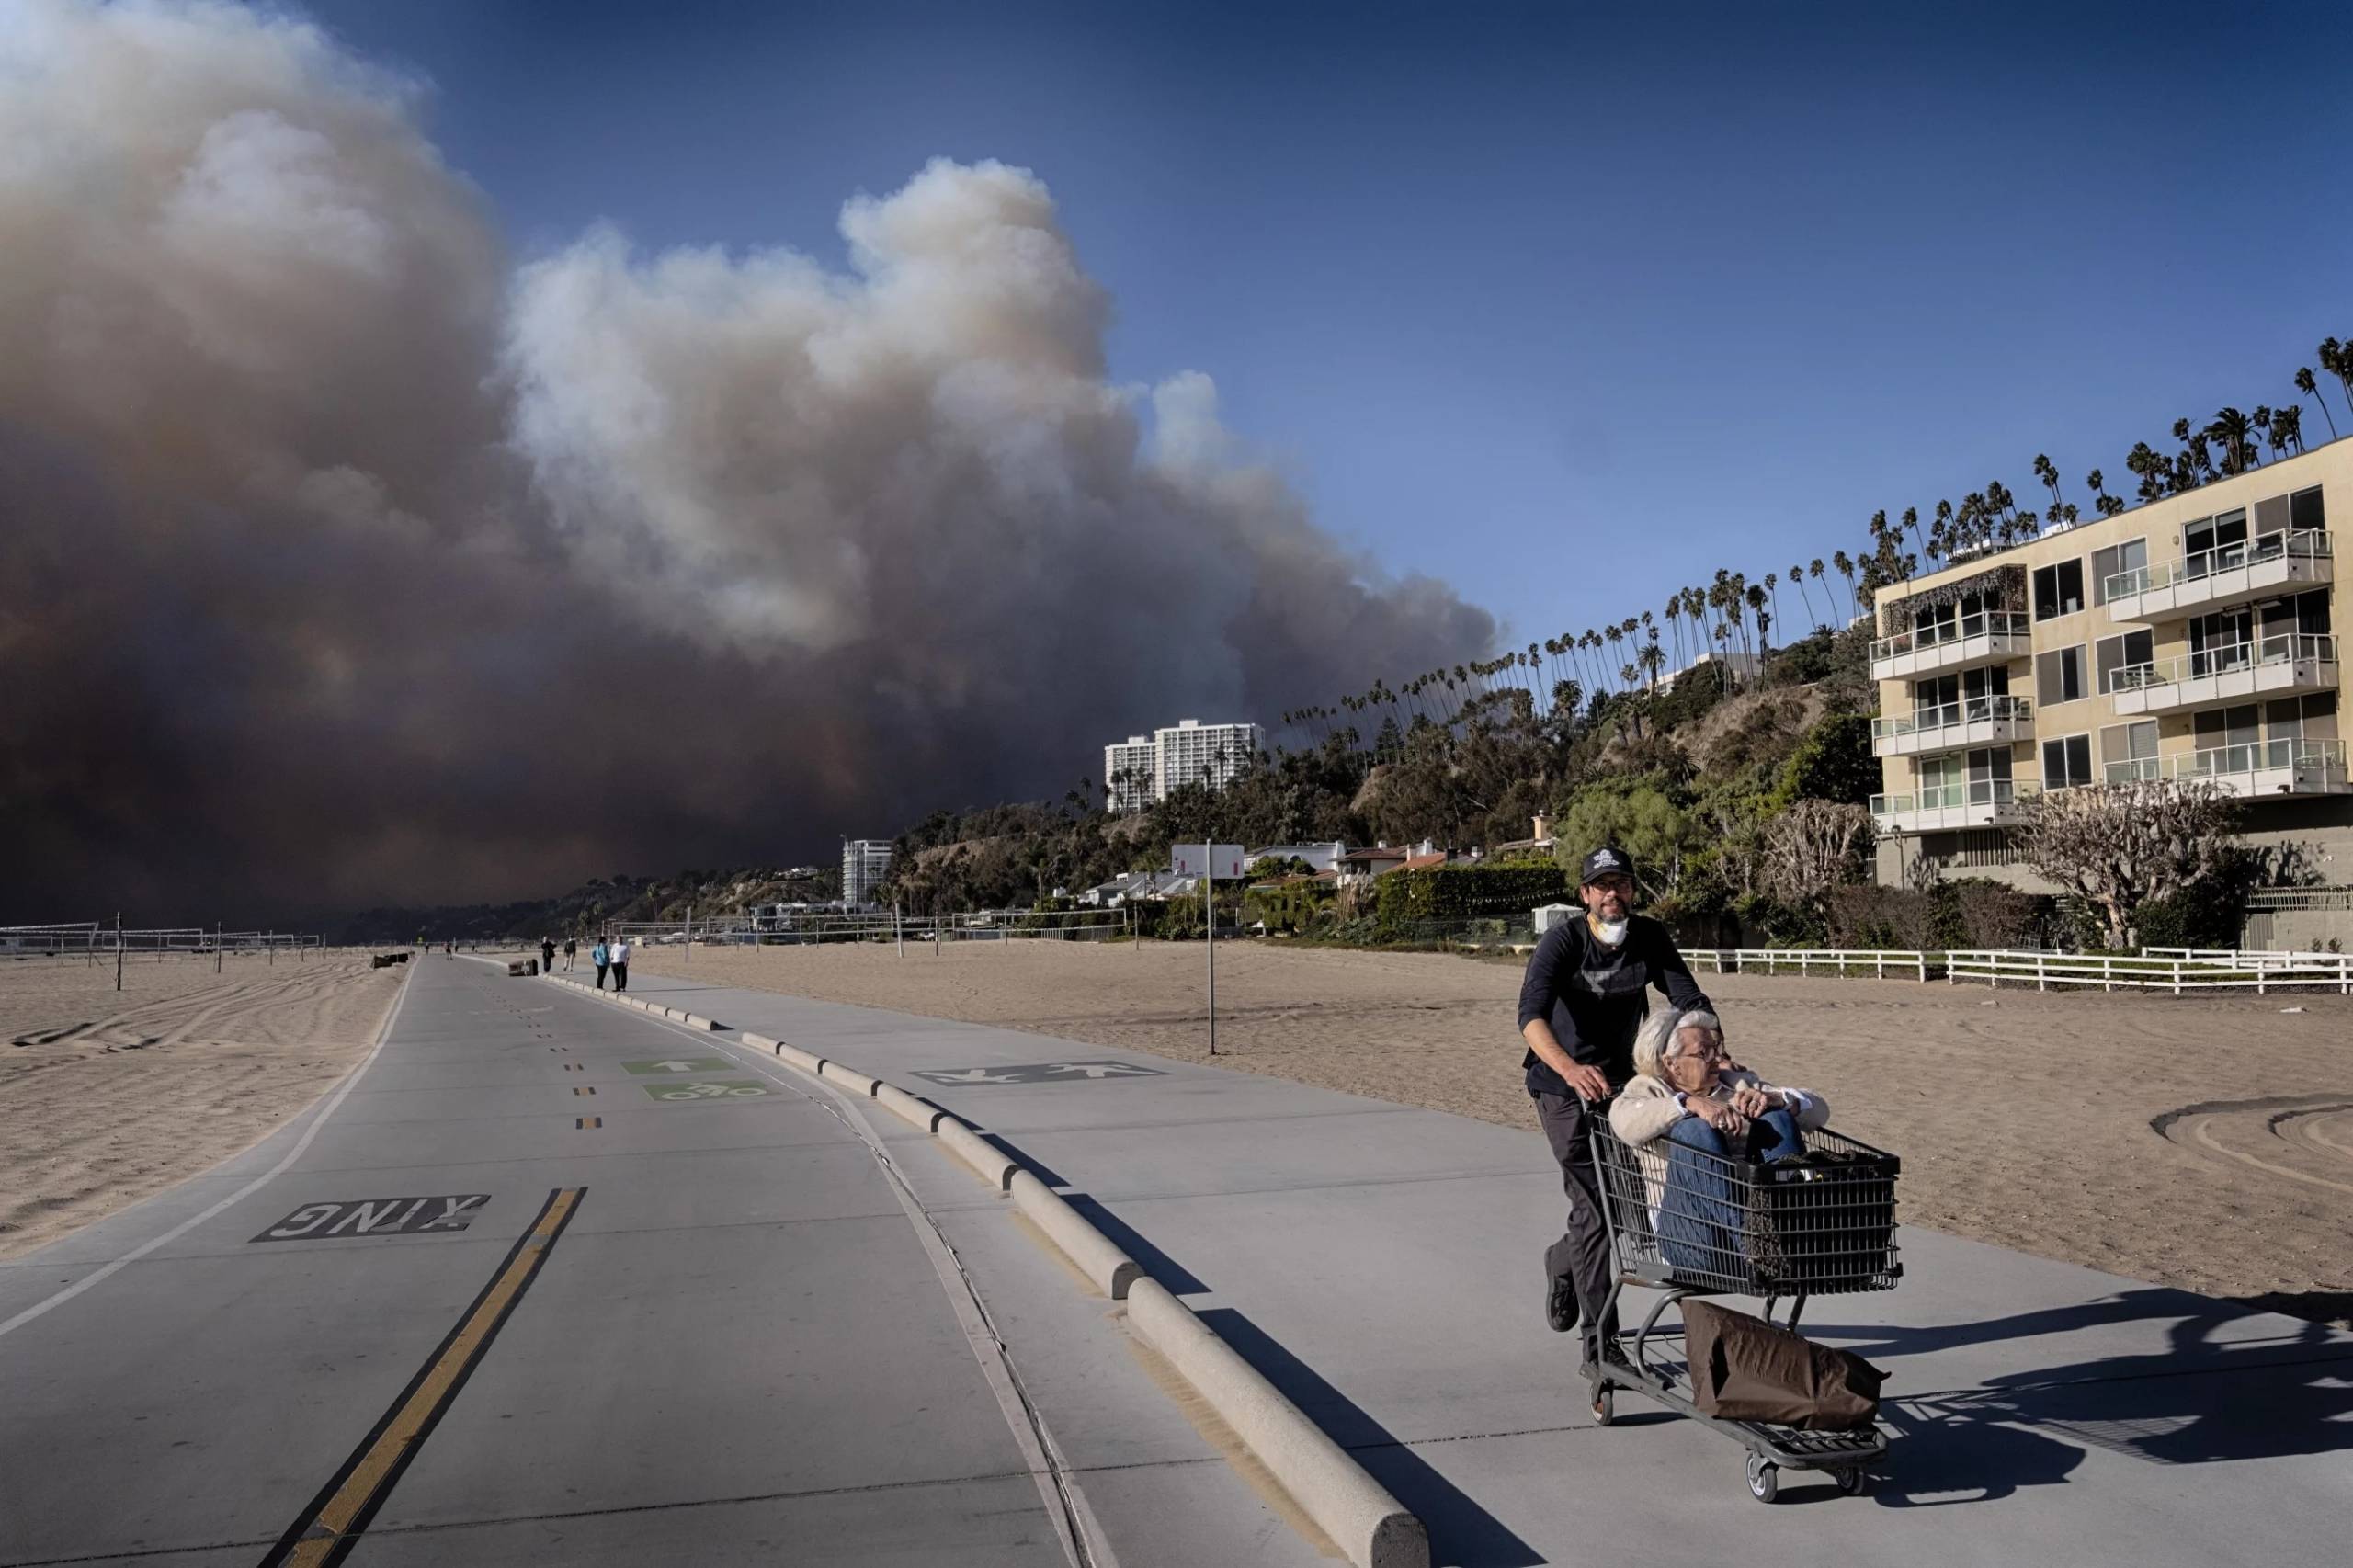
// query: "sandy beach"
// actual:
[[107, 1097], [2028, 1120]]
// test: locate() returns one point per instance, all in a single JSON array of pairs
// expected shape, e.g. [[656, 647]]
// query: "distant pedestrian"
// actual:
[[620, 963], [570, 948], [547, 955], [602, 957]]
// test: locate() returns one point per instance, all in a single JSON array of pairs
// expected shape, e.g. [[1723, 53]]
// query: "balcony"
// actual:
[[1976, 722], [2257, 768], [1986, 802], [2236, 672], [2253, 569], [1989, 637]]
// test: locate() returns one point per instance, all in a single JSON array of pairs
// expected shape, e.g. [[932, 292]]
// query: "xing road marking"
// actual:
[[586, 1089], [330, 1526], [696, 1064], [586, 1121], [574, 1067], [1036, 1073], [705, 1090], [378, 1217]]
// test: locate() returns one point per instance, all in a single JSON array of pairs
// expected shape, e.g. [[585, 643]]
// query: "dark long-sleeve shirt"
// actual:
[[1595, 997]]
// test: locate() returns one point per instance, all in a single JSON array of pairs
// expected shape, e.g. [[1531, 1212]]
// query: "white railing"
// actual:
[[1951, 715], [2286, 648], [1937, 634], [1877, 962], [2308, 545], [2164, 970], [1946, 797], [2223, 762]]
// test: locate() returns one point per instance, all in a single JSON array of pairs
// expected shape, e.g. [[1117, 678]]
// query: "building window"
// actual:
[[2131, 556], [2059, 676], [2114, 653], [2207, 542], [2066, 762], [2305, 512], [2058, 590], [2129, 751]]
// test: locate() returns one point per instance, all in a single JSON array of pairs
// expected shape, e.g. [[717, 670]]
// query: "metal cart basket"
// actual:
[[1686, 1223]]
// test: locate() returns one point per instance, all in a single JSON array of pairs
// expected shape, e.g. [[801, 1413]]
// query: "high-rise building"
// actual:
[[865, 862], [2191, 638], [1193, 753], [1131, 773]]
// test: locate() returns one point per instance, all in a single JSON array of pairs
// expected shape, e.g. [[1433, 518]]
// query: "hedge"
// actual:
[[1464, 892]]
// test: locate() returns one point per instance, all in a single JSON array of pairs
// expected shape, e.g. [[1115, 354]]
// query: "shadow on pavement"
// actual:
[[2200, 1401], [1462, 1534], [1173, 1275]]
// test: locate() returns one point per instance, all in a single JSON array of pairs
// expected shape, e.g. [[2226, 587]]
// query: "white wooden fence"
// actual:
[[2177, 970], [1877, 962]]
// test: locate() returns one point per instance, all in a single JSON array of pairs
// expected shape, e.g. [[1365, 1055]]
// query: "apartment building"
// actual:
[[2191, 638], [865, 862], [1131, 773], [1193, 753]]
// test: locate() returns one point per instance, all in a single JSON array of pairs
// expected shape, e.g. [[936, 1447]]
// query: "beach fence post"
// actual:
[[898, 932], [118, 949], [216, 947], [691, 935]]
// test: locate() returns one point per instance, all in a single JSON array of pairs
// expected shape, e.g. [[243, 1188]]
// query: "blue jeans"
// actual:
[[1700, 1215]]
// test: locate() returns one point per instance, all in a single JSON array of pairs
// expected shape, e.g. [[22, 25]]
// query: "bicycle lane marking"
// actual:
[[332, 1525], [332, 1103]]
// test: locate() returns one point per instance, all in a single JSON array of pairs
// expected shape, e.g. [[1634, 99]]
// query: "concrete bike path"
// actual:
[[611, 1296], [1380, 1264]]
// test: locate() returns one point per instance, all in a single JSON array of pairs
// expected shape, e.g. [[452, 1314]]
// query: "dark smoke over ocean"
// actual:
[[345, 561]]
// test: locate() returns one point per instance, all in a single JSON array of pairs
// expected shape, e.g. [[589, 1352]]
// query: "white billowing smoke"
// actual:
[[358, 565]]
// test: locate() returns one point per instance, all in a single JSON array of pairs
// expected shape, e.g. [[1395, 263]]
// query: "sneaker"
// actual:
[[1561, 1304]]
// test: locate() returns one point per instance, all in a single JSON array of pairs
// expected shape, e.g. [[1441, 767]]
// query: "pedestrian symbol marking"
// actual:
[[705, 1089], [1036, 1073], [378, 1217], [678, 1064]]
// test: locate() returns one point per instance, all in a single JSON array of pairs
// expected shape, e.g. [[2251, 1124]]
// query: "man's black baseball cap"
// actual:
[[1604, 861]]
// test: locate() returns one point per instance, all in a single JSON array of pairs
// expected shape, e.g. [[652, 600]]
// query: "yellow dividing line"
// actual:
[[331, 1526]]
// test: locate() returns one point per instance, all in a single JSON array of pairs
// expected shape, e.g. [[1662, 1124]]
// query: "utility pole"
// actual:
[[216, 947], [691, 935], [1209, 931], [118, 949]]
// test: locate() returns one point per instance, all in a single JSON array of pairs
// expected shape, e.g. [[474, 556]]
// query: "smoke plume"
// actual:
[[345, 561]]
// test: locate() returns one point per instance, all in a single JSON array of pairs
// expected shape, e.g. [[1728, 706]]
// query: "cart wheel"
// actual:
[[1764, 1479], [1851, 1481], [1605, 1406]]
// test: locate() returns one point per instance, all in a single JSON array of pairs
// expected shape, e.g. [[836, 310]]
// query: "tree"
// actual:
[[2234, 432], [2337, 360], [1637, 816], [1813, 846], [2120, 846], [2287, 428], [2048, 472], [1832, 762], [2308, 386], [1847, 570]]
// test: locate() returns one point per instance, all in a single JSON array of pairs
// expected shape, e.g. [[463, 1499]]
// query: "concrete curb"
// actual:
[[1351, 1507], [841, 1074], [1112, 1270], [908, 1108], [990, 1163]]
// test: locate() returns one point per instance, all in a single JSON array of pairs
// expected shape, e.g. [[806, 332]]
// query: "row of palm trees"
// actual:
[[1559, 676]]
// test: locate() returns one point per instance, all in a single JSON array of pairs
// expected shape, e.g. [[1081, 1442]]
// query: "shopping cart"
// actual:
[[1820, 1225]]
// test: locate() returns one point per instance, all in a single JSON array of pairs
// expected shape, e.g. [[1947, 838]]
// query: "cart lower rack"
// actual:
[[1685, 1222]]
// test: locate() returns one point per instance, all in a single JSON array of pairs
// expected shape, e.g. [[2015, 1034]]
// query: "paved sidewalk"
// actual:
[[1381, 1263]]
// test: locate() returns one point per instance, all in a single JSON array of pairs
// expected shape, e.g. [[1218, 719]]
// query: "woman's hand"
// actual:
[[1752, 1101], [1716, 1113]]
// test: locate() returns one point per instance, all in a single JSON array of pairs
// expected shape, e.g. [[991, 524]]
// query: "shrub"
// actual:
[[1459, 892], [1864, 915], [1985, 913]]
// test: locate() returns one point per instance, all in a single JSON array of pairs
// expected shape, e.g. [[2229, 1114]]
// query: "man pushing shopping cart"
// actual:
[[1703, 1180]]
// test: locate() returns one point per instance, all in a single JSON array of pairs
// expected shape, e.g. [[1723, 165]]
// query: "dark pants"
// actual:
[[1583, 1254], [600, 976], [621, 977], [1700, 1215]]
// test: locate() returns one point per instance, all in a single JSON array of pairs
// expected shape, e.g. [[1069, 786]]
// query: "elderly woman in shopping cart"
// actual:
[[1689, 1112]]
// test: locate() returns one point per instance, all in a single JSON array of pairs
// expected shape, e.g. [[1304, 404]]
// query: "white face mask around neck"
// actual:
[[1611, 932]]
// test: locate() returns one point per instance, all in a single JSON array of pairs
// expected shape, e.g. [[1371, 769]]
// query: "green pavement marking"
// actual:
[[681, 1064], [705, 1089]]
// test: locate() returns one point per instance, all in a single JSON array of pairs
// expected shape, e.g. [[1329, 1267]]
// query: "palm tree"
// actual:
[[2337, 360], [1845, 568], [2288, 426], [2310, 387], [1761, 616], [2234, 432], [1651, 658], [2048, 472], [2154, 469]]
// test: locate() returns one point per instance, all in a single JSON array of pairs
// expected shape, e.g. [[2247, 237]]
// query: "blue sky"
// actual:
[[1566, 304]]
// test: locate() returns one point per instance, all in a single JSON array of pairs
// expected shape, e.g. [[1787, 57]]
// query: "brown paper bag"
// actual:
[[1744, 1368]]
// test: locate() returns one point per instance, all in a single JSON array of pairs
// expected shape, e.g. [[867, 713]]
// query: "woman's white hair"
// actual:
[[1658, 1034]]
